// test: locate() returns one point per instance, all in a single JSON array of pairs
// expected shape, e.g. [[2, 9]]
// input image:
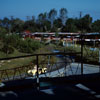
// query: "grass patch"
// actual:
[[7, 64]]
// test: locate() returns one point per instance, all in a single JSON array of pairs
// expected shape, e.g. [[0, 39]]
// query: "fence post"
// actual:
[[82, 54], [99, 58], [65, 73], [37, 71]]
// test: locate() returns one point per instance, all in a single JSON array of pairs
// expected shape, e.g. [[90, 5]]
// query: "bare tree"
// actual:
[[52, 15], [63, 15]]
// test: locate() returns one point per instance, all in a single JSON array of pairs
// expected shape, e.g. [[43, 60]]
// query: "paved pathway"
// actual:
[[72, 69]]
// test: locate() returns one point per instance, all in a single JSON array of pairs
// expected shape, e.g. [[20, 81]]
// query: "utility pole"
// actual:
[[12, 17], [80, 14], [33, 18]]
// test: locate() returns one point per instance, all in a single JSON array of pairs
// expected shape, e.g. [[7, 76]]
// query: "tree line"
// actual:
[[50, 22]]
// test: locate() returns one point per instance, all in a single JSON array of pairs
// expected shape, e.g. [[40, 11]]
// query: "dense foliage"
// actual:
[[10, 42], [50, 22]]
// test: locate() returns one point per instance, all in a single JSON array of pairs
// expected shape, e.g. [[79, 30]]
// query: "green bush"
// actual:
[[28, 45], [7, 49]]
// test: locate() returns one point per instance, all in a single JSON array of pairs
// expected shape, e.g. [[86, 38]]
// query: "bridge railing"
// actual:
[[56, 65]]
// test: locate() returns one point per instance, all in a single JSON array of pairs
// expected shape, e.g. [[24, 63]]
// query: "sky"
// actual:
[[23, 8]]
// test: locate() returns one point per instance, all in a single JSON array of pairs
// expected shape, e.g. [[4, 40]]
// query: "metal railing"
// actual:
[[61, 68], [22, 72]]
